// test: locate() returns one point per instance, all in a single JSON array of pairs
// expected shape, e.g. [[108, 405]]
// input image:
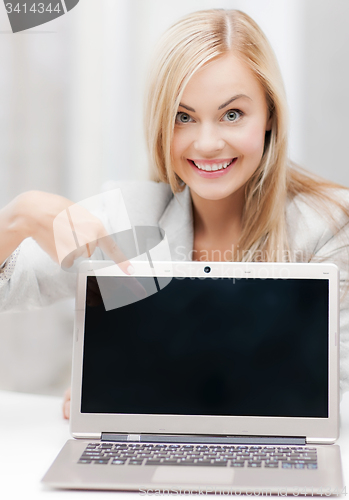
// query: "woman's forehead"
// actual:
[[225, 76]]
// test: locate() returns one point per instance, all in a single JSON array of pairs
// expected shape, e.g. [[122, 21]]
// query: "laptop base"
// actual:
[[66, 473]]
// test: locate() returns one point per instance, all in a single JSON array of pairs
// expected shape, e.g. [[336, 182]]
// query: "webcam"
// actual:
[[207, 269]]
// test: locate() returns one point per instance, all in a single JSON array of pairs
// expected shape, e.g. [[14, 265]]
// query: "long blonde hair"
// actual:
[[188, 45]]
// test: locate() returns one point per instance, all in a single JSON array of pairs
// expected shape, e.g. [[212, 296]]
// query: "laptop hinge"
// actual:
[[205, 439]]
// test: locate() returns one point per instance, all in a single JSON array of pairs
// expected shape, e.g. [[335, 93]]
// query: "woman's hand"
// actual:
[[66, 404], [64, 230]]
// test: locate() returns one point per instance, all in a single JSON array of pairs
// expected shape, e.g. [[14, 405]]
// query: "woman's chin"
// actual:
[[211, 193]]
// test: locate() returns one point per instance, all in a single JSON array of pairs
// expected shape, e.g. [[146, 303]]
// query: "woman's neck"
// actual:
[[218, 220]]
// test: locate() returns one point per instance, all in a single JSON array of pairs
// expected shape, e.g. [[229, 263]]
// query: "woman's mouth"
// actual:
[[212, 168]]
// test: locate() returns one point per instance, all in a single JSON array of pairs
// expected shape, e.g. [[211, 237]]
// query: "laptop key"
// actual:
[[118, 462], [237, 464], [206, 463], [190, 463], [182, 463], [218, 463]]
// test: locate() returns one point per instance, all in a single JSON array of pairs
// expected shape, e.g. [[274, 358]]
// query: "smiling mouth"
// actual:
[[212, 167]]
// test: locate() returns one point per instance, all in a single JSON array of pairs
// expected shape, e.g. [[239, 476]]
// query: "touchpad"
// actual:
[[193, 475]]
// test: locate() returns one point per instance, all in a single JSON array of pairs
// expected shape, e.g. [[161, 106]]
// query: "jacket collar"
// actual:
[[177, 222]]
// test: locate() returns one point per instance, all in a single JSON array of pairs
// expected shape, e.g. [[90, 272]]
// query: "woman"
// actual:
[[216, 129]]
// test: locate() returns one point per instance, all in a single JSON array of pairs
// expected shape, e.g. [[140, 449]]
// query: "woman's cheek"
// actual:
[[180, 142], [176, 147], [251, 141]]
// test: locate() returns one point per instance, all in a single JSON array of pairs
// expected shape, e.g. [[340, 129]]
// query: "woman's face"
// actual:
[[220, 128]]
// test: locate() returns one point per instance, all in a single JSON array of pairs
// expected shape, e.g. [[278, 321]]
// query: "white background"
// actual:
[[71, 103]]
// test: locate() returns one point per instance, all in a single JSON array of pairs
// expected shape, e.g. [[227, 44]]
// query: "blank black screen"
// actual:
[[255, 347]]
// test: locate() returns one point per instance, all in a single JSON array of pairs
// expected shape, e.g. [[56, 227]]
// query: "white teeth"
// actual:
[[212, 167]]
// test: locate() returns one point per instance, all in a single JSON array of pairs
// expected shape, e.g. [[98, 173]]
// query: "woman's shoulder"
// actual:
[[315, 209], [312, 222], [145, 201]]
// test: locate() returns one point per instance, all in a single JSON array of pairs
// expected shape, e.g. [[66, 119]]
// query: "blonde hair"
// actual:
[[188, 45]]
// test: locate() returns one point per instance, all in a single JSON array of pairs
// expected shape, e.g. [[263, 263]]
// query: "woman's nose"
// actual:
[[208, 139]]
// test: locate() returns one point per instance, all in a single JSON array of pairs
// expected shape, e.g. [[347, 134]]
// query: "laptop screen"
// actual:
[[245, 347]]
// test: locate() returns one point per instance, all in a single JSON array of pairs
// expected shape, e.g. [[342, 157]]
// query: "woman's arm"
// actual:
[[14, 227], [49, 228], [334, 248]]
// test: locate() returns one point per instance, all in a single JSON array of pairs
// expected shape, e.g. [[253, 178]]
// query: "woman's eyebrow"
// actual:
[[187, 107], [221, 106], [234, 99]]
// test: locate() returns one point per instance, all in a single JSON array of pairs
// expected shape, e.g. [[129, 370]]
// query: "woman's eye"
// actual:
[[182, 117], [232, 115]]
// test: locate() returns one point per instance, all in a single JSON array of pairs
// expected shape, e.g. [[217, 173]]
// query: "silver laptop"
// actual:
[[205, 377]]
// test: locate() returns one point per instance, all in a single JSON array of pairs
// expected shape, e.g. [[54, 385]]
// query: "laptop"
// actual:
[[204, 377]]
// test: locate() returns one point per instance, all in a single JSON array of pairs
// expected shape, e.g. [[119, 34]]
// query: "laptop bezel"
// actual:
[[315, 430]]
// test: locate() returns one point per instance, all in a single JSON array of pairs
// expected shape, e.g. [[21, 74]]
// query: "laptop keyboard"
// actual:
[[144, 454]]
